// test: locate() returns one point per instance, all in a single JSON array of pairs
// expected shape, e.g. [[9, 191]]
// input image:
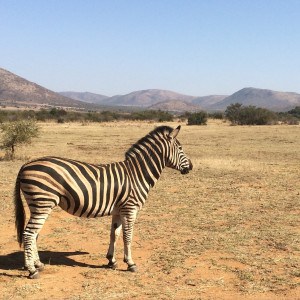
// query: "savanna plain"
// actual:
[[230, 229]]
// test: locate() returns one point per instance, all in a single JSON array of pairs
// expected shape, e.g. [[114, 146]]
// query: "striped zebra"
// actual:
[[85, 190]]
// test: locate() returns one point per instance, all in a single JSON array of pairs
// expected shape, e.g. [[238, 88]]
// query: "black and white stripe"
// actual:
[[85, 190]]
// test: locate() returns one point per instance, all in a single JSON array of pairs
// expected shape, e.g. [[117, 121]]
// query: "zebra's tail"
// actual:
[[19, 211]]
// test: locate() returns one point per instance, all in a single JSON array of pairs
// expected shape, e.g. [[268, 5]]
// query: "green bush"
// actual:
[[216, 115], [61, 115], [198, 118], [295, 112], [291, 117], [60, 120], [155, 115], [249, 115], [17, 133], [232, 112]]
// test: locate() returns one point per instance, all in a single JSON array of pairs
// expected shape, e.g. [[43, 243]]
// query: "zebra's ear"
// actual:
[[175, 132]]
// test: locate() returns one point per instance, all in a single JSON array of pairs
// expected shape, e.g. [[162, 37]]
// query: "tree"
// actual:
[[17, 133]]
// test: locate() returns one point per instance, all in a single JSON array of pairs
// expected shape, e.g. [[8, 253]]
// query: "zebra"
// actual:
[[119, 189]]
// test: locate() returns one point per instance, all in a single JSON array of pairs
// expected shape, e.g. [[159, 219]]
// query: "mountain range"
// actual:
[[17, 91], [171, 101]]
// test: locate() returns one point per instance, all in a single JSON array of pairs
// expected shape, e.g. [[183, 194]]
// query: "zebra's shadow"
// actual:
[[15, 260]]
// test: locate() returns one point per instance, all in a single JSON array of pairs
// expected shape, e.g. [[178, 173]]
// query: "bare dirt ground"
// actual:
[[228, 230]]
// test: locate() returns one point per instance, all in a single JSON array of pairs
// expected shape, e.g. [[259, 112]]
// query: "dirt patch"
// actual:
[[227, 230]]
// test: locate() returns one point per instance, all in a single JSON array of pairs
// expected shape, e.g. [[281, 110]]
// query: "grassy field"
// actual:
[[230, 229]]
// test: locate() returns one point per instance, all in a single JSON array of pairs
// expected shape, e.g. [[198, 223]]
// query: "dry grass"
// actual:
[[228, 230]]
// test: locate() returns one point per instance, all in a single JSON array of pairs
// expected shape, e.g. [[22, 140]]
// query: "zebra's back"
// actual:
[[79, 188]]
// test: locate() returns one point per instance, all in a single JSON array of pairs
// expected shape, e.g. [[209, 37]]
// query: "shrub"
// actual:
[[155, 115], [287, 118], [216, 115], [232, 113], [293, 121], [198, 118], [17, 133], [249, 115], [60, 120], [61, 115], [295, 112]]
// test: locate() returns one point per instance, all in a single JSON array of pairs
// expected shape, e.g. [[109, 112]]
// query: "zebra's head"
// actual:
[[177, 159]]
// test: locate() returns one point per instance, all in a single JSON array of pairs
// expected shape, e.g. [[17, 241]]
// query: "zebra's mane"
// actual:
[[161, 130]]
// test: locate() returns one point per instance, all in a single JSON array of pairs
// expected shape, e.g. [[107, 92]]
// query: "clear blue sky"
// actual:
[[194, 47]]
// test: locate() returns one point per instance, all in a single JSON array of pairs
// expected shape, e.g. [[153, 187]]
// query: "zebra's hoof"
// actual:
[[132, 268], [40, 267], [35, 275], [112, 265]]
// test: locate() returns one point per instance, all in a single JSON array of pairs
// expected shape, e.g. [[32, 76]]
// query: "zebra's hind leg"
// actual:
[[37, 263], [115, 231], [32, 260], [30, 253], [128, 217]]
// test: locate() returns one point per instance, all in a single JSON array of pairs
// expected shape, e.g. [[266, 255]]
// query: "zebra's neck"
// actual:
[[146, 162]]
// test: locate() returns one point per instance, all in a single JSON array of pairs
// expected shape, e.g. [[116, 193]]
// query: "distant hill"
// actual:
[[146, 98], [15, 90], [85, 97], [276, 101], [175, 106], [207, 101]]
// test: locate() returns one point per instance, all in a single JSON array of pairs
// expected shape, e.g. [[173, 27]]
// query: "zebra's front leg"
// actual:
[[128, 218], [115, 230]]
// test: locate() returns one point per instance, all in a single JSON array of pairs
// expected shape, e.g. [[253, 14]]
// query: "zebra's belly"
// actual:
[[89, 209]]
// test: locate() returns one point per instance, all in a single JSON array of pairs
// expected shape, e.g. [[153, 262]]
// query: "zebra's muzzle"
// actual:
[[185, 171]]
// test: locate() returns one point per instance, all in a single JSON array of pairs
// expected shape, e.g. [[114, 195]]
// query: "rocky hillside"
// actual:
[[15, 90], [175, 106], [276, 101], [85, 97], [207, 101], [146, 98]]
